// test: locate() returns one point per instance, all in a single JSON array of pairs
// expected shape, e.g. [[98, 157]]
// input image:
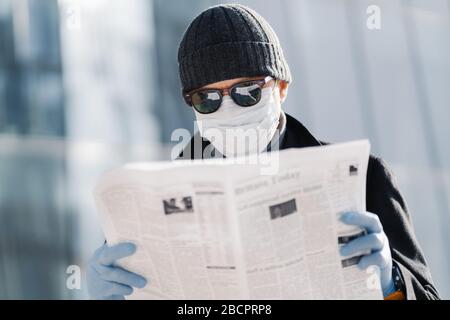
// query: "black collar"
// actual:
[[297, 136]]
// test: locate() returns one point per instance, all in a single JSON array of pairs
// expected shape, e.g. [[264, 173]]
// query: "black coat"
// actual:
[[383, 199]]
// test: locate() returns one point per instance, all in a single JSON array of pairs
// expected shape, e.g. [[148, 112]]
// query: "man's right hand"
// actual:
[[107, 281]]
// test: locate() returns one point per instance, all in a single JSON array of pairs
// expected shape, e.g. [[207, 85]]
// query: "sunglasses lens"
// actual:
[[247, 95], [206, 102]]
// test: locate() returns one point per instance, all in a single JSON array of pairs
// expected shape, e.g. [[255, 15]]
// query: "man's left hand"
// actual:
[[375, 242]]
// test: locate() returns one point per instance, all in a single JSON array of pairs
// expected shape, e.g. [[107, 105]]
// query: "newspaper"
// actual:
[[217, 229]]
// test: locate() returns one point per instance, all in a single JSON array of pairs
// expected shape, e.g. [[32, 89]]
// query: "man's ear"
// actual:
[[284, 87]]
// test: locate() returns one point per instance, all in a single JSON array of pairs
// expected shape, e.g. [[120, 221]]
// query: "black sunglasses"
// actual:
[[245, 94]]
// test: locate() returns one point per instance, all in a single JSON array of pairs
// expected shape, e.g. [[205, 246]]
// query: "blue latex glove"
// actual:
[[108, 282], [376, 242]]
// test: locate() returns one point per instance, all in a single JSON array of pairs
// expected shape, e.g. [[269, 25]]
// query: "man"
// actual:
[[235, 77]]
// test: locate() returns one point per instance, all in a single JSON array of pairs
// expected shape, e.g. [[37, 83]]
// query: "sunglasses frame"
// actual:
[[222, 92]]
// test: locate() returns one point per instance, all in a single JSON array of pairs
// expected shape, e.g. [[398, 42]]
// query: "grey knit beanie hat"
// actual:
[[227, 42]]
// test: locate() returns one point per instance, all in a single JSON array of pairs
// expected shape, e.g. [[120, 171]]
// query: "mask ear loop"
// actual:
[[275, 86]]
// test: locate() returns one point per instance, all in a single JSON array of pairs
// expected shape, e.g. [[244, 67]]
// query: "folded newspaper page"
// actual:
[[250, 229]]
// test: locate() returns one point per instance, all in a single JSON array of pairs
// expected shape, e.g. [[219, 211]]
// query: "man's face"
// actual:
[[232, 127]]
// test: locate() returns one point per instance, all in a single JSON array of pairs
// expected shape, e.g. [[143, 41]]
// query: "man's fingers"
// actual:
[[366, 220], [121, 276], [109, 255], [375, 259], [116, 289], [372, 242]]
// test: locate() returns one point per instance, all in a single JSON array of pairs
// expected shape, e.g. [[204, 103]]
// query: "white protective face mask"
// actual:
[[235, 131]]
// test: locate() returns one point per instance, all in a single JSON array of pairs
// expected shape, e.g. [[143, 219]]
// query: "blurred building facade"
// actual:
[[36, 225], [88, 85]]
